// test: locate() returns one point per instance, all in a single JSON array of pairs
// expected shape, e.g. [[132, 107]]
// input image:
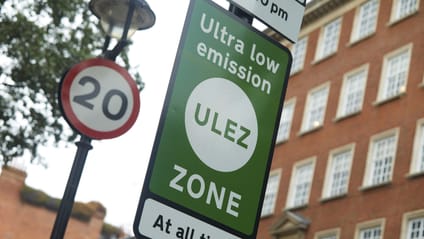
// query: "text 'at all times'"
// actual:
[[166, 225]]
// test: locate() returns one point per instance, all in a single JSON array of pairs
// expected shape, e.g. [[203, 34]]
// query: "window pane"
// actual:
[[421, 150], [285, 122], [405, 7], [419, 153], [339, 174], [370, 233], [382, 160], [396, 71], [329, 39], [416, 229], [328, 237], [353, 93], [367, 19], [299, 52], [302, 183], [270, 194], [317, 102]]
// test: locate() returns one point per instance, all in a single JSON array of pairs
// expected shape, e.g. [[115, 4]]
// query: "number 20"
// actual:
[[84, 98]]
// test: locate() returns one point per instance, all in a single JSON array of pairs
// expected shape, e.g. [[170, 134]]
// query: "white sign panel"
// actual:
[[284, 16], [159, 220]]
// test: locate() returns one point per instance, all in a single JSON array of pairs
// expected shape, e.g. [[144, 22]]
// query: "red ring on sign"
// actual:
[[72, 118]]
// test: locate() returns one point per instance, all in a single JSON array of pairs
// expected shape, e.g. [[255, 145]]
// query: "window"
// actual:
[[300, 183], [416, 228], [352, 93], [413, 225], [286, 120], [370, 230], [417, 163], [329, 39], [403, 8], [338, 171], [332, 236], [365, 20], [299, 53], [271, 194], [381, 157], [370, 233], [328, 234], [316, 104], [395, 73]]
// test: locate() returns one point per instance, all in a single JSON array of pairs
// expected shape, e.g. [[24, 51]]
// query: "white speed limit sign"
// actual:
[[99, 98]]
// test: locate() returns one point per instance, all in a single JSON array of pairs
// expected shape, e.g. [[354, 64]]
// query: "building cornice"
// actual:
[[319, 8]]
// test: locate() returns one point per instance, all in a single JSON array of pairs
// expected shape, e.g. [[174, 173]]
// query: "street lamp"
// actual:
[[121, 19]]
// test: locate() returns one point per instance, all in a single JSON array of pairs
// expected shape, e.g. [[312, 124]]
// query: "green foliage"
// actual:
[[52, 204], [80, 211], [33, 196], [39, 41], [109, 230]]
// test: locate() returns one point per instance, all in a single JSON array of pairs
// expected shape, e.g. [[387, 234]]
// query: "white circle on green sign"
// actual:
[[221, 124]]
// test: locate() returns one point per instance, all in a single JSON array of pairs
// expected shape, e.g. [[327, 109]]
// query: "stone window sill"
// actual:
[[311, 130], [350, 115], [396, 21], [384, 101], [332, 198], [374, 186]]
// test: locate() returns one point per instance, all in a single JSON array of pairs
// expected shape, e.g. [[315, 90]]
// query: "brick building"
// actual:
[[349, 159], [21, 219]]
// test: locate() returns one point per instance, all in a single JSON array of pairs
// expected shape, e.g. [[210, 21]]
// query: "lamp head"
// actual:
[[113, 14]]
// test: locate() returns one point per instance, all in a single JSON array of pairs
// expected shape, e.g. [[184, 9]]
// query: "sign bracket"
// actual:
[[241, 13]]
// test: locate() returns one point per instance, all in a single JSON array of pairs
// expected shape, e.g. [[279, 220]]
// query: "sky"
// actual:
[[115, 169]]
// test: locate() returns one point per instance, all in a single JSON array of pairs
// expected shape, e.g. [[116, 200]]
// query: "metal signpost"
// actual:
[[213, 148], [284, 16], [100, 100]]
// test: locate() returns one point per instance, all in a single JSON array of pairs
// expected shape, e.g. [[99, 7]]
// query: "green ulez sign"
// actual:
[[209, 164]]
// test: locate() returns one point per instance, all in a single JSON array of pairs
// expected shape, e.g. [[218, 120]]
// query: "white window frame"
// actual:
[[326, 35], [406, 219], [369, 170], [417, 162], [346, 87], [271, 193], [295, 176], [328, 233], [328, 181], [299, 54], [369, 225], [307, 123], [286, 120], [359, 18], [383, 94], [396, 15]]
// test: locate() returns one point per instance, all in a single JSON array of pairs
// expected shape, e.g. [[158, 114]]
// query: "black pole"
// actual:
[[65, 208]]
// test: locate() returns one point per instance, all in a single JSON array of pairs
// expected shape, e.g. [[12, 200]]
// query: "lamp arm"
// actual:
[[128, 20], [112, 54]]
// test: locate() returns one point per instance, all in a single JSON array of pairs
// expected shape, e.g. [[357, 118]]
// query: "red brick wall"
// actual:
[[20, 220], [403, 194]]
